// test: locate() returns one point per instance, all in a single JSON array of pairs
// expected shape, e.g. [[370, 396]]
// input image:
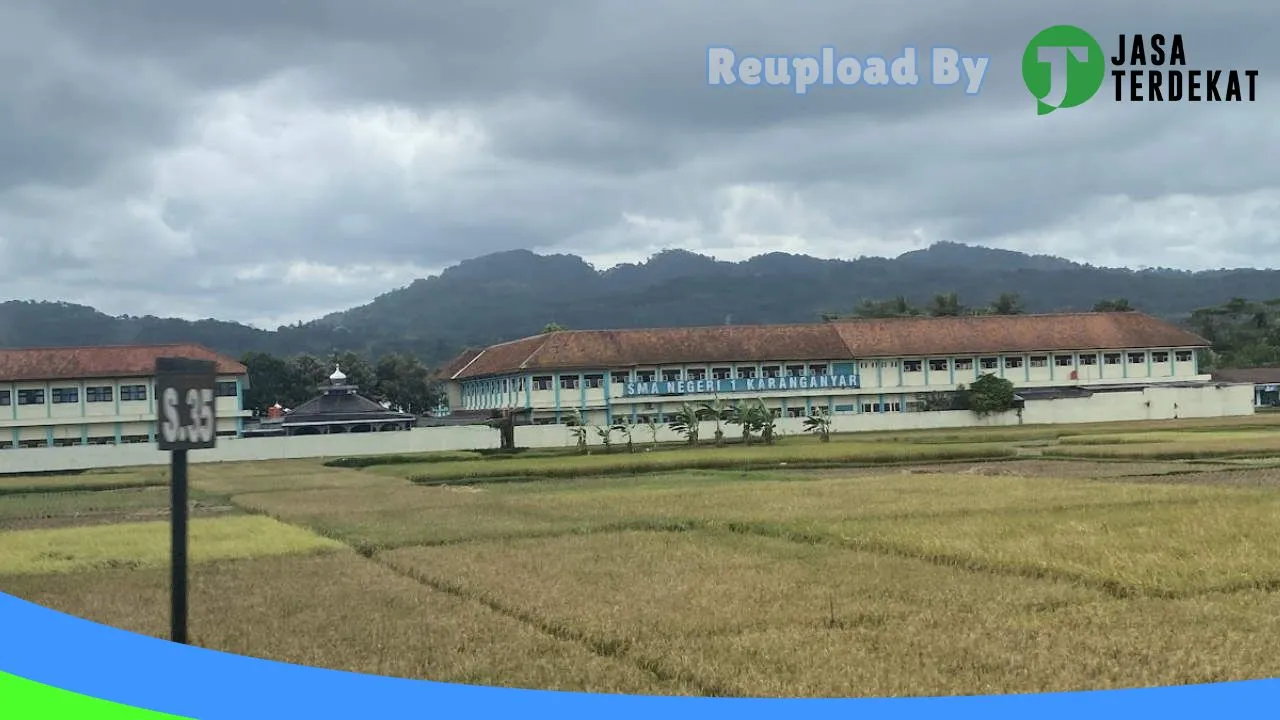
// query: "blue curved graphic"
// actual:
[[51, 648]]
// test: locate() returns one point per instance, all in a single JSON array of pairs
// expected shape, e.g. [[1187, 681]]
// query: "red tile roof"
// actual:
[[1257, 376], [841, 339], [70, 363]]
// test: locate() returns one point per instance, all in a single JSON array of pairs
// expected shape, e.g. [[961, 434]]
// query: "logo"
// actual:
[[1063, 67]]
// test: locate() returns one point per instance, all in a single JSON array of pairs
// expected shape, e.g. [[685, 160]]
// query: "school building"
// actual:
[[849, 367], [100, 395]]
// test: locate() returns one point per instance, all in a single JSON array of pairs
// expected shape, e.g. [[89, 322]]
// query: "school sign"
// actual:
[[841, 381]]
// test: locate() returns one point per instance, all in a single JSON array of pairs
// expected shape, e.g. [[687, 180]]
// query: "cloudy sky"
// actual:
[[273, 160]]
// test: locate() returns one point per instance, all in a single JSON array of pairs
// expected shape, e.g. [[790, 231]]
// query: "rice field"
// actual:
[[939, 562]]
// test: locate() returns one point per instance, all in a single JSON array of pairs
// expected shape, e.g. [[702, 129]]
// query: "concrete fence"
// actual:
[[1148, 404]]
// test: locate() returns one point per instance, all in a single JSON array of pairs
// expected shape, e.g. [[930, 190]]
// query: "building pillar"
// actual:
[[48, 433]]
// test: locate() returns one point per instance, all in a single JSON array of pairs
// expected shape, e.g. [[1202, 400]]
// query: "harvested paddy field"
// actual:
[[913, 564]]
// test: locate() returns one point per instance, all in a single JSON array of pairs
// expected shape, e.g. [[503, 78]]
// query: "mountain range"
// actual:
[[513, 294]]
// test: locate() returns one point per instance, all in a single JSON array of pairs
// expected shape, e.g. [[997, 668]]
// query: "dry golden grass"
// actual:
[[340, 611], [758, 617], [1184, 448], [60, 509], [95, 480], [249, 477], [1226, 542], [1170, 436], [884, 496], [69, 550], [418, 515], [802, 452]]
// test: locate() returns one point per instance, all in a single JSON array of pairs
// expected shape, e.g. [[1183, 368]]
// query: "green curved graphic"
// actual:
[[22, 699]]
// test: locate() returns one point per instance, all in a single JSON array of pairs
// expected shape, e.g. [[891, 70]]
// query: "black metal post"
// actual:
[[178, 525]]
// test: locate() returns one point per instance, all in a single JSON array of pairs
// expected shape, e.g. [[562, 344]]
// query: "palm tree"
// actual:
[[605, 433], [717, 411], [748, 416], [686, 422], [765, 421], [625, 427], [578, 426], [819, 423]]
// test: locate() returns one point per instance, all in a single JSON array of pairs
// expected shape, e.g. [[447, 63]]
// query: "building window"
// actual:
[[911, 366], [894, 406], [697, 374], [770, 371], [1182, 356], [1112, 358], [63, 396], [1012, 363], [619, 378], [31, 397], [1136, 358], [1089, 359], [133, 392], [817, 369], [795, 370], [964, 364], [1063, 360], [720, 373], [889, 363], [100, 393], [671, 375], [1039, 361], [938, 365], [1159, 357], [568, 382], [227, 389], [990, 363], [795, 412], [594, 381], [6, 398], [746, 372], [644, 376], [542, 382]]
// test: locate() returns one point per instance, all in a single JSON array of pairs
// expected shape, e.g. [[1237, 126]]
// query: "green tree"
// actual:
[[819, 423], [896, 307], [404, 382], [552, 327], [746, 416], [577, 423], [719, 413], [990, 394], [1116, 305], [269, 381], [1007, 304], [946, 305], [358, 369], [307, 374], [766, 422], [685, 422], [624, 426]]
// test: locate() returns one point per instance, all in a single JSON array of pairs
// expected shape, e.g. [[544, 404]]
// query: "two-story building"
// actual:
[[100, 395], [846, 366]]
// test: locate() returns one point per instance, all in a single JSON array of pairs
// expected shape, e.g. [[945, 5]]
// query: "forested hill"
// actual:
[[514, 294]]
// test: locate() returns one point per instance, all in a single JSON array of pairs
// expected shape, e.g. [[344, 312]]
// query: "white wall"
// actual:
[[1149, 404]]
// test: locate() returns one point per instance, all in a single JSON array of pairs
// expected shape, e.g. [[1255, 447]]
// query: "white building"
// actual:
[[100, 395], [849, 367]]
